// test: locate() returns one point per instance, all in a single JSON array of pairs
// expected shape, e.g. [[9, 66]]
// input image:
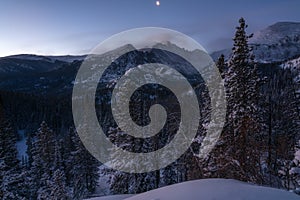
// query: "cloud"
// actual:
[[146, 37], [219, 44]]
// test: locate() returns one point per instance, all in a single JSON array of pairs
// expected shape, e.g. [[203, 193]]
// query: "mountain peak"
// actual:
[[277, 32], [275, 43], [285, 23]]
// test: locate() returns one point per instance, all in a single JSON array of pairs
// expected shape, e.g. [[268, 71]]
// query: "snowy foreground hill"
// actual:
[[210, 189]]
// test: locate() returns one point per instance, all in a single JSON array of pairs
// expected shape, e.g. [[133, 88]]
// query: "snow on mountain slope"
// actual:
[[278, 42], [211, 189], [277, 32], [294, 66]]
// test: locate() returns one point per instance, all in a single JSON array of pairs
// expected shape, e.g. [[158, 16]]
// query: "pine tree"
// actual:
[[67, 150], [84, 171], [283, 126], [10, 171], [59, 189], [222, 65], [244, 121], [289, 171], [295, 170], [43, 165]]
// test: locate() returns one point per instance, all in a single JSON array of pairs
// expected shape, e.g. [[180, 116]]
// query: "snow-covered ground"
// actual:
[[210, 189], [113, 197], [21, 145], [103, 185]]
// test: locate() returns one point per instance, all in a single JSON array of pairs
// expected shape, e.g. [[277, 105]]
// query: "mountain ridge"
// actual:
[[276, 43]]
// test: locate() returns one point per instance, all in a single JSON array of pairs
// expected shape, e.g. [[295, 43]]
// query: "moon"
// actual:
[[158, 3]]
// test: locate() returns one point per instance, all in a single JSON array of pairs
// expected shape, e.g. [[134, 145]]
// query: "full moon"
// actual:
[[157, 3]]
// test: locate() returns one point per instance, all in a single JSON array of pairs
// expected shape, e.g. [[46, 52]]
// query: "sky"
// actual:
[[77, 26]]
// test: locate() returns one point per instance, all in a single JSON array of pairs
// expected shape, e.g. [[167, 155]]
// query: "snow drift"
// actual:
[[210, 189]]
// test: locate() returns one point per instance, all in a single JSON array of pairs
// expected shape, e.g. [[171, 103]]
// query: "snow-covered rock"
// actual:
[[211, 189]]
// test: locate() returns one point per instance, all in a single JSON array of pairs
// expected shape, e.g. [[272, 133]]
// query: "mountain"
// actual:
[[276, 43], [34, 75], [10, 66], [278, 32], [27, 64], [210, 189], [53, 75], [64, 58]]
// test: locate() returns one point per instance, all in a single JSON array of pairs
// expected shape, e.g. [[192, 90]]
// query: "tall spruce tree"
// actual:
[[59, 189], [244, 119], [84, 173], [43, 165]]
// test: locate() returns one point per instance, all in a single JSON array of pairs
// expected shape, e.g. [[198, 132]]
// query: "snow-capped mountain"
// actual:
[[278, 32], [47, 74], [276, 43]]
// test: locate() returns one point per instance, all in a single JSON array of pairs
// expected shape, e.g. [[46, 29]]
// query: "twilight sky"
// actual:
[[75, 27]]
